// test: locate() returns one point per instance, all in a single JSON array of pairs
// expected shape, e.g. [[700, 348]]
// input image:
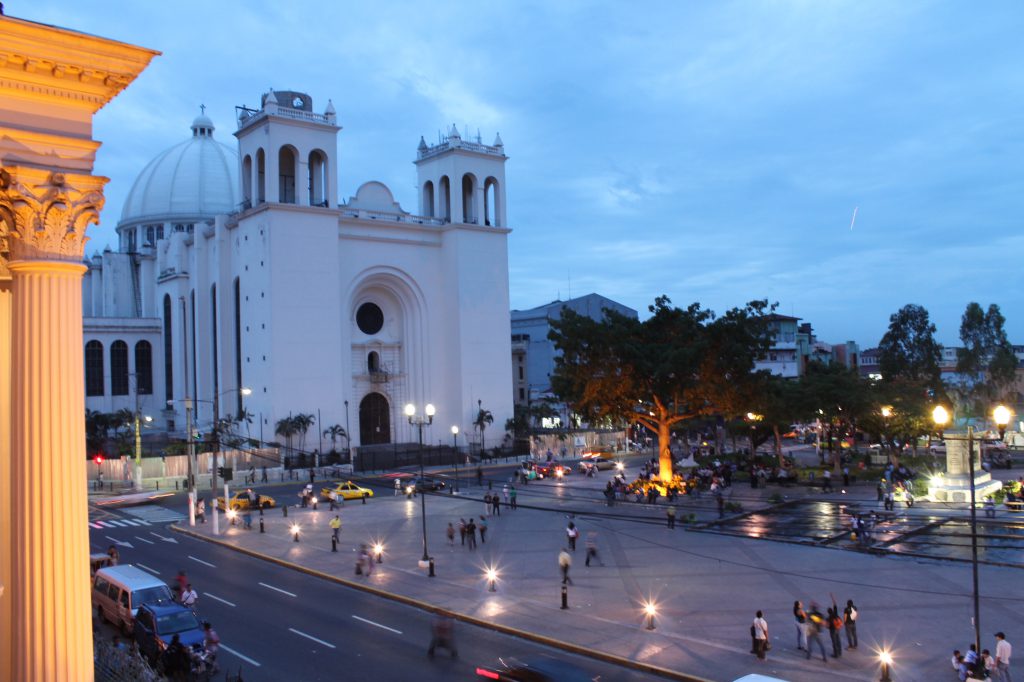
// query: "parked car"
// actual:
[[156, 625], [243, 500], [346, 490]]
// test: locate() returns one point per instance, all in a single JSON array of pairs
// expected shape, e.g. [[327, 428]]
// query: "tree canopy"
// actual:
[[909, 349], [987, 364], [676, 365]]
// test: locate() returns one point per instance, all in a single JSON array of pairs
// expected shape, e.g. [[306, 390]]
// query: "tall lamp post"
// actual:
[[455, 446], [1002, 417], [426, 420], [216, 451], [139, 418]]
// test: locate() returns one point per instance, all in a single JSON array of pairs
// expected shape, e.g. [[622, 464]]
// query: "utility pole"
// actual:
[[191, 463], [213, 473]]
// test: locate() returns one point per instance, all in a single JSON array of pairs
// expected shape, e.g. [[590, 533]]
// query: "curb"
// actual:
[[424, 606]]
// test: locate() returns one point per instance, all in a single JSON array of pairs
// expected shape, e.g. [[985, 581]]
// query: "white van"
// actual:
[[117, 592]]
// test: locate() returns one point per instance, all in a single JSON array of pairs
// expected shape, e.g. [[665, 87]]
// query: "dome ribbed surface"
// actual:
[[198, 177]]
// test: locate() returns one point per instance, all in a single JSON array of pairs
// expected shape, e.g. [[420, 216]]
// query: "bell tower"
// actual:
[[288, 153], [462, 181]]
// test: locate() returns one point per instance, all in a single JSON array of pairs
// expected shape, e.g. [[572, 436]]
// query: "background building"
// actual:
[[242, 269]]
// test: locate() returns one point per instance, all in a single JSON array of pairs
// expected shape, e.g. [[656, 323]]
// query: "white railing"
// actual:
[[364, 214], [460, 144]]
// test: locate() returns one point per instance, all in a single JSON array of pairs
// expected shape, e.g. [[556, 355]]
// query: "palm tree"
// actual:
[[302, 424], [483, 418], [334, 432], [287, 429]]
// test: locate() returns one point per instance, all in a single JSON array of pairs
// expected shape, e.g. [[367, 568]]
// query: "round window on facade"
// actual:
[[369, 318]]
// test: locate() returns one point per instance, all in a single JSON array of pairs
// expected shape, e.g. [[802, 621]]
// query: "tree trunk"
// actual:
[[778, 446], [664, 452]]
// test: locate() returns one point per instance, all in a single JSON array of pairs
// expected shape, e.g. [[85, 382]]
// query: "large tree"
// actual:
[[837, 397], [909, 349], [678, 364], [986, 364]]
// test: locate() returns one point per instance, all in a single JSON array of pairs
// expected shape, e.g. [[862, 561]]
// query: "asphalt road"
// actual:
[[276, 623]]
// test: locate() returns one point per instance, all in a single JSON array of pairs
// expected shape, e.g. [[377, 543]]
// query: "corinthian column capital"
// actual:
[[44, 213]]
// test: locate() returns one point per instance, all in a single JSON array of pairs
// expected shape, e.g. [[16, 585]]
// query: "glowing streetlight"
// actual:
[[295, 532], [492, 577], [232, 515], [419, 423], [650, 611], [455, 447], [1001, 415], [378, 550], [885, 658], [886, 411]]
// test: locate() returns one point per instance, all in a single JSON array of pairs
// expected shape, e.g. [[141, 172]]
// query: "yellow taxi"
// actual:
[[346, 490], [244, 499]]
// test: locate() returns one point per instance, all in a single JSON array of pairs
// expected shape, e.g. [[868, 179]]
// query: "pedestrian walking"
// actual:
[[335, 525], [815, 623], [479, 476], [251, 478], [471, 533], [1003, 652], [592, 549], [398, 486], [181, 583], [890, 499], [483, 530], [512, 496], [450, 533], [759, 631], [462, 531], [312, 477], [263, 478], [564, 564], [442, 634], [835, 623], [504, 493], [572, 532], [800, 616], [670, 514], [247, 518], [201, 510], [114, 556], [189, 597], [850, 621], [826, 481], [846, 477], [496, 504]]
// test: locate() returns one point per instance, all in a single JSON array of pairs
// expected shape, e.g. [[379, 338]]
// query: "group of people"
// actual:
[[984, 666], [467, 532], [811, 623], [181, 663]]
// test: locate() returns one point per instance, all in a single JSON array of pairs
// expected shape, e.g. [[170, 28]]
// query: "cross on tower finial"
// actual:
[[202, 108]]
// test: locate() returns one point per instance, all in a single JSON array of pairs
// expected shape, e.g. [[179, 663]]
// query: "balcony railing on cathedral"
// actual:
[[379, 376]]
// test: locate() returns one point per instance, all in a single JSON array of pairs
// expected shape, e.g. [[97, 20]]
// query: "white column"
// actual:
[[50, 576], [6, 623]]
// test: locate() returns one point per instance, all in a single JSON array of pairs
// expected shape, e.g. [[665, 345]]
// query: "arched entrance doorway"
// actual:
[[374, 420]]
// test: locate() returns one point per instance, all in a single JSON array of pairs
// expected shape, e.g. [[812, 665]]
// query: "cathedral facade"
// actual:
[[238, 268]]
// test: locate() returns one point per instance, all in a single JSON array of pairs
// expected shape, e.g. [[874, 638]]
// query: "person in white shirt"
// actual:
[[760, 636], [189, 597], [1003, 653]]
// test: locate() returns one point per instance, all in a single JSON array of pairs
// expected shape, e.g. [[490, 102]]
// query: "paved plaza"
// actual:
[[705, 584]]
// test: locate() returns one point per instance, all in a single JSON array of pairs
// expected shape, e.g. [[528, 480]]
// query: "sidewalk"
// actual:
[[706, 586]]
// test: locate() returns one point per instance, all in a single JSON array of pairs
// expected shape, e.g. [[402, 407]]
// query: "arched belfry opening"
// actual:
[[374, 420], [445, 199], [469, 212], [247, 181], [492, 202], [428, 199], [286, 164], [261, 176], [318, 178]]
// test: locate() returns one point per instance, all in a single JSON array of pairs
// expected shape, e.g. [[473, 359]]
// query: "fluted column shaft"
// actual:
[[52, 628]]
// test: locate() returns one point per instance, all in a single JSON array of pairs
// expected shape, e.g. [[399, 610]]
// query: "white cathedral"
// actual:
[[243, 270]]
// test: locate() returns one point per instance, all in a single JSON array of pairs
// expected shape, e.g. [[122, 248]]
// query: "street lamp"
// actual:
[[491, 574], [650, 611], [216, 451], [885, 658], [455, 446], [139, 418], [753, 419], [426, 420]]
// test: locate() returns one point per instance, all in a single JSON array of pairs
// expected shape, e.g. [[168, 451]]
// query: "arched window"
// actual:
[[247, 181], [469, 199], [445, 199], [428, 199], [119, 368], [94, 368], [286, 175], [144, 368], [373, 362], [492, 209], [261, 176], [318, 195], [168, 350]]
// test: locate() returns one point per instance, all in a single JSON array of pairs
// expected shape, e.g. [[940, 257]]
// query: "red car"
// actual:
[[553, 470]]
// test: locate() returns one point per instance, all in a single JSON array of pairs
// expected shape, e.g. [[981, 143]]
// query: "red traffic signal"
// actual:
[[98, 459]]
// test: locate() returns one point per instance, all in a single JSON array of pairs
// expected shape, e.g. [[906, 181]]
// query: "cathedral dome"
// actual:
[[195, 179]]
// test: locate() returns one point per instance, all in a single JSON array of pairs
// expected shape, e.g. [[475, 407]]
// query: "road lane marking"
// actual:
[[95, 525], [148, 542], [385, 627], [163, 538], [277, 589], [204, 563], [129, 522], [213, 596], [116, 523], [303, 634], [120, 543], [245, 658], [144, 566]]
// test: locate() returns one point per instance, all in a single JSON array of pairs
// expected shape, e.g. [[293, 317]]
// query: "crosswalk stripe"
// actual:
[[115, 523], [130, 522], [95, 525]]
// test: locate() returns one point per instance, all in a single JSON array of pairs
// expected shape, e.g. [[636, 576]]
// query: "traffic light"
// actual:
[[98, 459], [227, 473]]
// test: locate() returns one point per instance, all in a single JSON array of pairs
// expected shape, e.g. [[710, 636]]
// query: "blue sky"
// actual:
[[710, 151]]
